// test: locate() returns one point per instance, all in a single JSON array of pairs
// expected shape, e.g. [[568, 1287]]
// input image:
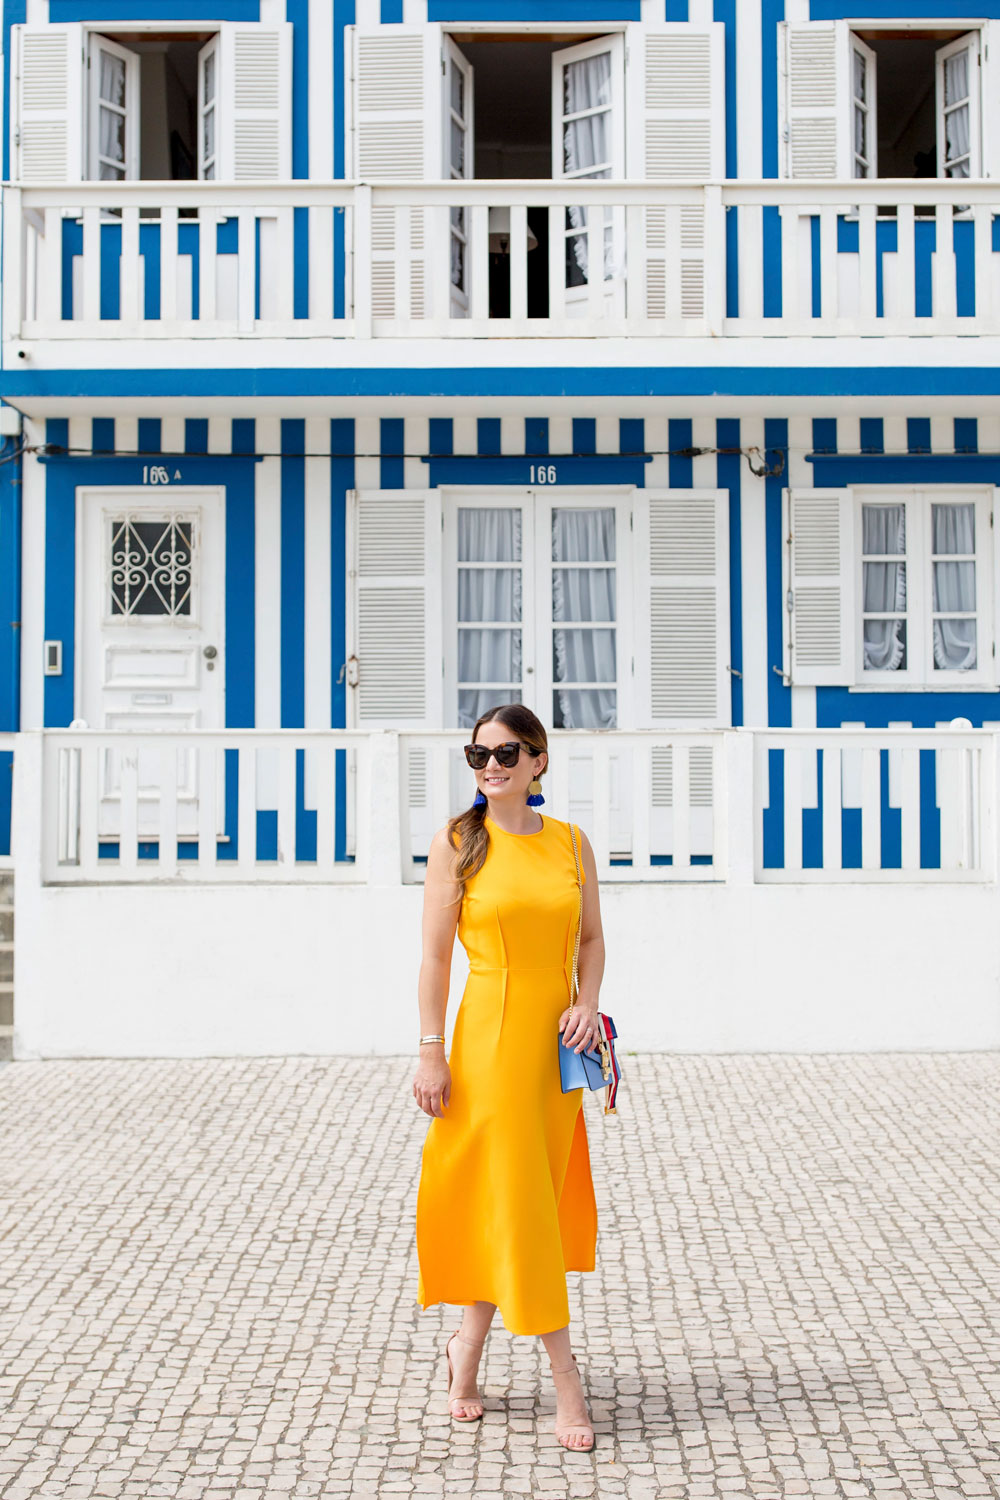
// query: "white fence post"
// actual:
[[737, 805], [380, 810]]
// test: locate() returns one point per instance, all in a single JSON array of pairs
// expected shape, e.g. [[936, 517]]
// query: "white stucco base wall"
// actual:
[[130, 971]]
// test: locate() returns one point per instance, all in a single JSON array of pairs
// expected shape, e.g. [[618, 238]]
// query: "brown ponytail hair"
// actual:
[[474, 840]]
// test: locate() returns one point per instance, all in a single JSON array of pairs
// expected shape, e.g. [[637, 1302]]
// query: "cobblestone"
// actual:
[[209, 1278]]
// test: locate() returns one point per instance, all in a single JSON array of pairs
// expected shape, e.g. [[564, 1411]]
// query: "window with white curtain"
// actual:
[[536, 608], [925, 585]]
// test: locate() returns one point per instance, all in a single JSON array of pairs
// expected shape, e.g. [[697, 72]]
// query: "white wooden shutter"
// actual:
[[989, 96], [394, 609], [815, 99], [682, 588], [818, 568], [48, 103], [397, 133], [254, 115], [675, 128]]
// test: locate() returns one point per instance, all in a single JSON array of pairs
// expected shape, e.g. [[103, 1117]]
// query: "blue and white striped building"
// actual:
[[321, 434]]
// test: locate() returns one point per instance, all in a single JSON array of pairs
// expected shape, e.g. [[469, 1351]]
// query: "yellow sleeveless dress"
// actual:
[[505, 1204]]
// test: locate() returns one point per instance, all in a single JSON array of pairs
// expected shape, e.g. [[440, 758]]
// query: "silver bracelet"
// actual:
[[424, 1039]]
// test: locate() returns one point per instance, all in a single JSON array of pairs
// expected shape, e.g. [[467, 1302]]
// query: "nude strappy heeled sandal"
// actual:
[[463, 1400], [566, 1428]]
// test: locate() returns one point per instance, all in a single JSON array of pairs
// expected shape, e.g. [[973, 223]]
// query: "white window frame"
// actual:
[[920, 673], [974, 48], [536, 504], [99, 41], [977, 100]]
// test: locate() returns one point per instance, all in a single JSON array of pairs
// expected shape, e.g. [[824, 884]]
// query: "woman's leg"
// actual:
[[466, 1349], [573, 1427]]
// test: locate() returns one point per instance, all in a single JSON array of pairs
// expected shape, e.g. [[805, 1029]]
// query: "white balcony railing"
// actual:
[[351, 260], [727, 807]]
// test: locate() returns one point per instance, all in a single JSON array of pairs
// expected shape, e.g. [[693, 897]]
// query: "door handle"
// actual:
[[210, 652]]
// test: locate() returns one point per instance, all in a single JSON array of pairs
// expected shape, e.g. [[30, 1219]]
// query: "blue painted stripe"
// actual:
[[157, 10], [632, 436], [903, 10], [517, 468], [825, 434], [488, 435], [918, 434], [534, 10], [14, 14], [728, 476], [60, 574], [771, 12], [871, 435], [536, 435], [834, 705], [680, 468], [391, 446], [441, 435], [584, 435], [341, 480], [150, 435], [966, 435], [392, 12], [10, 596], [779, 696], [293, 573], [725, 11], [676, 10], [102, 435], [19, 386], [889, 468], [196, 435]]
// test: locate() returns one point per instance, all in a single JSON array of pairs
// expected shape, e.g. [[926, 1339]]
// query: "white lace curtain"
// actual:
[[953, 529], [954, 586], [586, 142], [956, 118], [488, 534], [112, 121]]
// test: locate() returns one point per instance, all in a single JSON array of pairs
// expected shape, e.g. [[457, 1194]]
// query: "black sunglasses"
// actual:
[[507, 754]]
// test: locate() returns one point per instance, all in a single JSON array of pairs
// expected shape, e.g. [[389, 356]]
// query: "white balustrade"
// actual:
[[310, 806], [841, 805], [210, 260]]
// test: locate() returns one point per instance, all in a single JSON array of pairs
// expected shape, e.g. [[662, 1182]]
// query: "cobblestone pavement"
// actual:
[[209, 1275]]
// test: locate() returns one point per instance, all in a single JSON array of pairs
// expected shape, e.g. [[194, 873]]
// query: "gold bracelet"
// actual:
[[424, 1039]]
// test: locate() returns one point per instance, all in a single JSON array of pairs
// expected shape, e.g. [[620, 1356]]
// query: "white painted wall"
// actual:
[[199, 971]]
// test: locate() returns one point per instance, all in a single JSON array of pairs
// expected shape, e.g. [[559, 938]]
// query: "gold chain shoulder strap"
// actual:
[[579, 925]]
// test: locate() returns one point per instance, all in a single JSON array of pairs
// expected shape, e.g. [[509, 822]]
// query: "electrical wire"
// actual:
[[756, 457]]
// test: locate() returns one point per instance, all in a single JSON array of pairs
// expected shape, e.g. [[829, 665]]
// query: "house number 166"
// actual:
[[542, 474], [155, 474]]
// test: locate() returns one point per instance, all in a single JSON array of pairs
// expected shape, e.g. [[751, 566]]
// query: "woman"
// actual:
[[506, 1205]]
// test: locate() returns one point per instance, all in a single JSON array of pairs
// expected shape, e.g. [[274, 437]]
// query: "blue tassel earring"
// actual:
[[535, 798], [480, 799]]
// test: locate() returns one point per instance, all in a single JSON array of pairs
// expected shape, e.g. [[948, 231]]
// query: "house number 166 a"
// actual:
[[156, 474], [542, 474]]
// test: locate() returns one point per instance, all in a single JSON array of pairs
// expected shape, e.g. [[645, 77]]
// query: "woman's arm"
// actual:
[[432, 1080], [590, 968]]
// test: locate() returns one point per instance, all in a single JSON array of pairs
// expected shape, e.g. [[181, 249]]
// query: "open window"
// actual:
[[872, 102], [120, 105], [429, 103]]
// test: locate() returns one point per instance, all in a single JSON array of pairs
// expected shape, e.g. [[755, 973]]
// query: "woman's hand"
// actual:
[[432, 1083], [583, 1028]]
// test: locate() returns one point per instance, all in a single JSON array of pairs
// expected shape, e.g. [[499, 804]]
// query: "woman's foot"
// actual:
[[462, 1367], [573, 1427]]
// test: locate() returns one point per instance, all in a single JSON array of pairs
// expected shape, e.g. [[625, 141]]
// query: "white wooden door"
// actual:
[[150, 621], [588, 144]]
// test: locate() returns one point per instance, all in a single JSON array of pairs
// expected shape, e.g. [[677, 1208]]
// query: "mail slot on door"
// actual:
[[152, 697]]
